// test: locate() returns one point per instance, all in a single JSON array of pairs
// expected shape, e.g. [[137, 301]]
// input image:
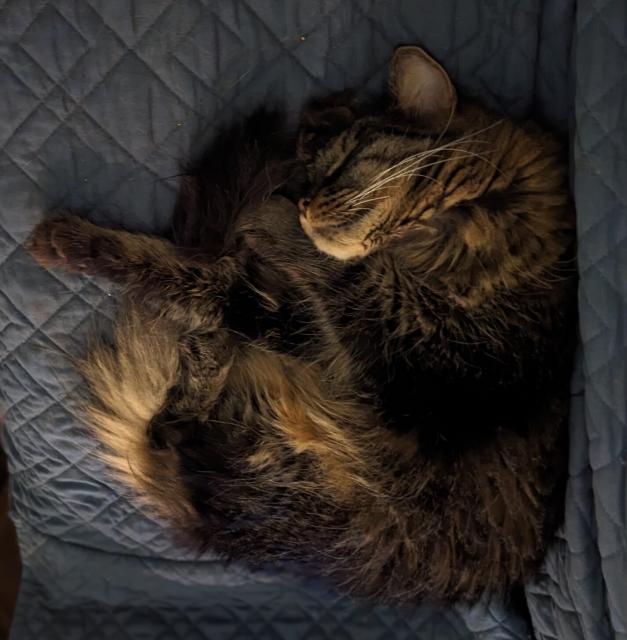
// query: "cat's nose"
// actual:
[[303, 204]]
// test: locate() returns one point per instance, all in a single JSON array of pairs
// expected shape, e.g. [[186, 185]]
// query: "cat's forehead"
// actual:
[[377, 139]]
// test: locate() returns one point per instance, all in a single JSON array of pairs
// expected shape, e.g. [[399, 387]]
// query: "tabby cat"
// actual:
[[373, 382]]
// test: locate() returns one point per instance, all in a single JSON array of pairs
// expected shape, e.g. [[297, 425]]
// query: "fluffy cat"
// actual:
[[381, 398]]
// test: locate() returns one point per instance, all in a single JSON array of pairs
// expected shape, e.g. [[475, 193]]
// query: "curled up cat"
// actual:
[[354, 351]]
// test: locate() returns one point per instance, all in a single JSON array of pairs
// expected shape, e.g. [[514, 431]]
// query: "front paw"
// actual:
[[63, 241]]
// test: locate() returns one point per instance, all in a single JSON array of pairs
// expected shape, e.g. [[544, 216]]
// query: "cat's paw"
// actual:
[[62, 241]]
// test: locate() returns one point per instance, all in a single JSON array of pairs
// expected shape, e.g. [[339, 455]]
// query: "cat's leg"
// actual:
[[151, 270]]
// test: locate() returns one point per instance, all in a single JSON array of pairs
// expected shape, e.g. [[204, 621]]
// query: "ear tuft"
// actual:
[[421, 87]]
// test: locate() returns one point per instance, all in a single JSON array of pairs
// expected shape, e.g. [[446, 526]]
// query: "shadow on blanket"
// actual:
[[10, 566]]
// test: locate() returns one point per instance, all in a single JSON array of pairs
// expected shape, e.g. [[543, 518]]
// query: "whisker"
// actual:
[[422, 175], [446, 126], [482, 157], [413, 161], [409, 159], [379, 183], [372, 199], [443, 147], [465, 153], [406, 172]]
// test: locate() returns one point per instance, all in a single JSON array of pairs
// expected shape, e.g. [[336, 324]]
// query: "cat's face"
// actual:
[[471, 202], [365, 170]]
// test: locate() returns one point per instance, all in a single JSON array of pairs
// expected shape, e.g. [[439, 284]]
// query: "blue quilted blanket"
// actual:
[[100, 100]]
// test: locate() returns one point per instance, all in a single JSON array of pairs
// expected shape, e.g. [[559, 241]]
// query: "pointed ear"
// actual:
[[421, 87]]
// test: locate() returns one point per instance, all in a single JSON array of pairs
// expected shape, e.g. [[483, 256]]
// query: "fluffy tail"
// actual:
[[129, 380]]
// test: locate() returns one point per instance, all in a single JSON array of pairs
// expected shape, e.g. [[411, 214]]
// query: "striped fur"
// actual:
[[385, 405], [130, 380]]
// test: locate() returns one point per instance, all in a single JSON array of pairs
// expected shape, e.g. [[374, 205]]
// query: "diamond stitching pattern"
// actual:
[[101, 101]]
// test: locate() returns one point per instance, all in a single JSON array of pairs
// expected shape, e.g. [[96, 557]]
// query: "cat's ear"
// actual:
[[323, 119], [421, 87]]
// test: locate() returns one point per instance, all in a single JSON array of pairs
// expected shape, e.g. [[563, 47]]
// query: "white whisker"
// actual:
[[422, 175], [367, 200], [414, 162], [405, 172]]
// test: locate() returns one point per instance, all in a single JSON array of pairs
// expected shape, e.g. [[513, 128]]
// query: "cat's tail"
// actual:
[[128, 379]]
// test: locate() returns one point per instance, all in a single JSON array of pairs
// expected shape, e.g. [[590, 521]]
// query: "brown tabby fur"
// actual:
[[387, 409]]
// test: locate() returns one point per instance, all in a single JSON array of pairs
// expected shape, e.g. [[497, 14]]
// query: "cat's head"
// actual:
[[362, 161], [459, 188]]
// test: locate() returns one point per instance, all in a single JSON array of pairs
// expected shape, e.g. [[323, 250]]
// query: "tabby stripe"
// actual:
[[452, 184], [334, 175]]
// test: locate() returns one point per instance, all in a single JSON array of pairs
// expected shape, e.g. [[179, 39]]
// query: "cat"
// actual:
[[364, 370]]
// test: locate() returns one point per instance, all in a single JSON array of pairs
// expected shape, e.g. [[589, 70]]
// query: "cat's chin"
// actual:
[[345, 250]]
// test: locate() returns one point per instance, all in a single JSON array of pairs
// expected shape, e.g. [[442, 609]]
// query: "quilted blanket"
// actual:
[[100, 101]]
